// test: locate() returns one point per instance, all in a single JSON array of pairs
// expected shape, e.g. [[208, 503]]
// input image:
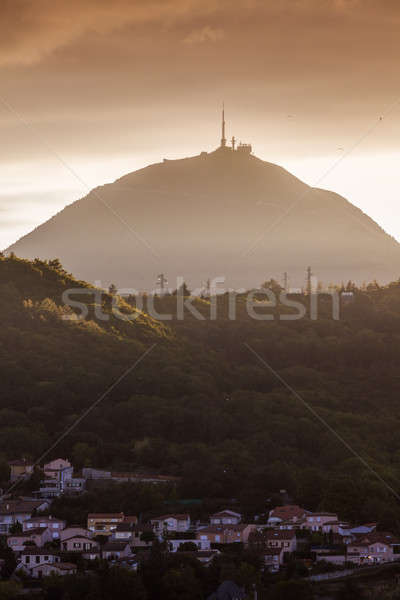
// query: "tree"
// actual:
[[9, 590], [188, 547], [182, 290], [181, 584], [4, 471], [15, 527], [292, 590], [147, 536], [273, 285], [82, 455]]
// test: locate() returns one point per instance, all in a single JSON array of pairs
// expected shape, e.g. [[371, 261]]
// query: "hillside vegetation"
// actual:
[[201, 405]]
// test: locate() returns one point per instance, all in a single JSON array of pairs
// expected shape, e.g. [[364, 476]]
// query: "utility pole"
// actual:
[[309, 283], [162, 281], [208, 287], [285, 281]]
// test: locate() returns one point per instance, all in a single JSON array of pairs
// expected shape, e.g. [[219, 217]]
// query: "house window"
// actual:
[[46, 558], [37, 559], [27, 560]]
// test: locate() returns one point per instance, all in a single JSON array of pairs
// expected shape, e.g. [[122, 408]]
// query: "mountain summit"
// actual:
[[224, 213]]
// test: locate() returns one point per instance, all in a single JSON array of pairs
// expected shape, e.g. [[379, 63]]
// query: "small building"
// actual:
[[374, 548], [123, 532], [226, 534], [226, 517], [20, 469], [173, 522], [55, 526], [116, 550], [54, 467], [276, 539], [59, 479], [38, 537], [33, 557], [73, 531], [290, 513], [104, 523], [322, 521], [17, 511], [79, 544], [273, 558], [46, 569]]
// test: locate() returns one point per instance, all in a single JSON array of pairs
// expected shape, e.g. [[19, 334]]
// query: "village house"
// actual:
[[289, 514], [123, 532], [321, 521], [276, 539], [20, 469], [116, 550], [74, 530], [59, 479], [52, 524], [228, 534], [226, 517], [79, 544], [46, 569], [104, 523], [376, 547], [273, 558], [54, 467], [18, 511], [34, 557], [176, 522], [38, 537]]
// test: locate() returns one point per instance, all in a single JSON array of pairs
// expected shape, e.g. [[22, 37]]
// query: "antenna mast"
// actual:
[[223, 138]]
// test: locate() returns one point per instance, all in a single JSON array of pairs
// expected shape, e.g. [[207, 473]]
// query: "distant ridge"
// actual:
[[223, 213]]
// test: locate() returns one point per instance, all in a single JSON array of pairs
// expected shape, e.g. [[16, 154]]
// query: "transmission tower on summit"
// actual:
[[223, 138], [240, 149]]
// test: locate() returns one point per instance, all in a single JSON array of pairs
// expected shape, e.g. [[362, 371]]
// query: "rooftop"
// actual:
[[288, 512], [106, 515]]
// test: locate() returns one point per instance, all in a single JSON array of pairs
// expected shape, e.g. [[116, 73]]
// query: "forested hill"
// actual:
[[201, 401]]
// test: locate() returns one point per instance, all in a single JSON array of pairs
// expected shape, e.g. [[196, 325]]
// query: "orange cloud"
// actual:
[[204, 35]]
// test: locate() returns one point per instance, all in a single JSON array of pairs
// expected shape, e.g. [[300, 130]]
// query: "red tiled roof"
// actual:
[[288, 512], [378, 537], [178, 517]]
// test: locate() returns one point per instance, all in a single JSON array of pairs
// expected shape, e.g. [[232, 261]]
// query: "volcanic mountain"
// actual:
[[224, 213]]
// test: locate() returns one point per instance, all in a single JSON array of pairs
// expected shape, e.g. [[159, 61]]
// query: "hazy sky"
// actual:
[[93, 89]]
